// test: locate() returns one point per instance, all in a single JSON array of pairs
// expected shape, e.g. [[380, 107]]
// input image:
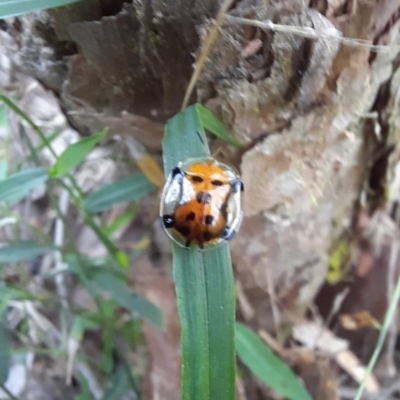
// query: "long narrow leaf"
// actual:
[[5, 349], [214, 125], [22, 251], [12, 8], [119, 385], [75, 154], [120, 292], [3, 170], [132, 188], [267, 366], [204, 287], [121, 221], [17, 186]]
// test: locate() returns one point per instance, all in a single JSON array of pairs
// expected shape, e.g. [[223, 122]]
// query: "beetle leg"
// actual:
[[178, 174], [187, 244], [227, 233], [236, 185], [168, 221]]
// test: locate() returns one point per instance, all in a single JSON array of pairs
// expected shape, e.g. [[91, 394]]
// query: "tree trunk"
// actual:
[[317, 117]]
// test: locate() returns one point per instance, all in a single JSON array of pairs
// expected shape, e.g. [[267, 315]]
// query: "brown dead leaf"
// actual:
[[352, 365], [243, 302], [151, 169], [315, 336], [358, 320]]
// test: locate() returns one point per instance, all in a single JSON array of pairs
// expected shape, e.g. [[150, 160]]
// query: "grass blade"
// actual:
[[24, 250], [5, 349], [215, 126], [267, 366], [75, 154], [120, 292], [12, 8], [17, 186], [119, 385], [204, 287], [121, 221], [132, 188], [3, 170]]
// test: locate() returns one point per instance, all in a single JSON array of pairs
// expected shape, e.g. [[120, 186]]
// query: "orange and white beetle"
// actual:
[[201, 203]]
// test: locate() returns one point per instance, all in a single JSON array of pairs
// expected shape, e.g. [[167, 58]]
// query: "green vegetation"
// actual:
[[203, 280]]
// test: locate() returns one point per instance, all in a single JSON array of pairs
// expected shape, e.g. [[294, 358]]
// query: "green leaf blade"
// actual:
[[17, 186], [5, 348], [74, 154], [21, 251], [206, 308], [267, 366], [121, 221], [132, 188], [204, 286], [215, 126], [3, 170], [13, 8], [120, 292], [184, 138], [119, 385]]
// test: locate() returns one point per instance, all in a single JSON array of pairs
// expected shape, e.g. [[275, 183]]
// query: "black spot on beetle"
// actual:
[[184, 230], [217, 182], [197, 178], [209, 219], [207, 198], [191, 216], [207, 236]]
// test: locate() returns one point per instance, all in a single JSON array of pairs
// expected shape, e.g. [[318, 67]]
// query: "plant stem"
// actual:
[[7, 392]]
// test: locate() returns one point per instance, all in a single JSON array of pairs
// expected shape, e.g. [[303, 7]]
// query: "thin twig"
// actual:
[[208, 42], [392, 333], [59, 267], [311, 33], [276, 317], [7, 392], [59, 242], [94, 385]]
